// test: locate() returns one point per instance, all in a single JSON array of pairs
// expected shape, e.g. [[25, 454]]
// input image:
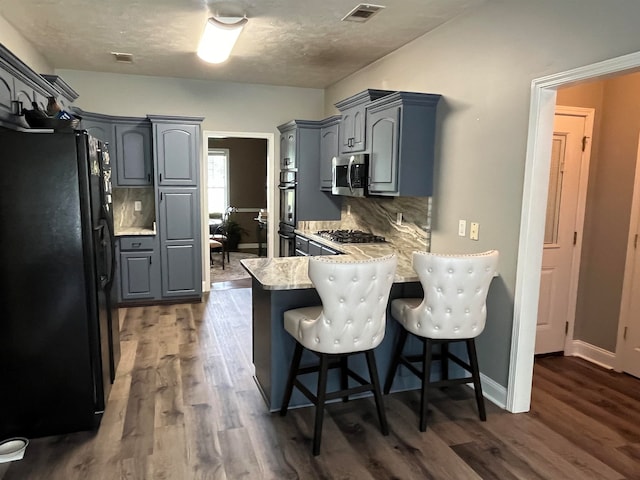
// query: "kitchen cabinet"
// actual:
[[302, 246], [101, 127], [133, 152], [20, 85], [353, 125], [401, 136], [180, 252], [329, 148], [310, 202], [176, 145], [139, 268]]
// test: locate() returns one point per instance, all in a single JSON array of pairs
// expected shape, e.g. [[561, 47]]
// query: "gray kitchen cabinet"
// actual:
[[20, 86], [314, 248], [176, 149], [133, 152], [353, 125], [7, 105], [302, 246], [401, 138], [310, 202], [99, 126], [329, 148], [139, 276], [179, 227]]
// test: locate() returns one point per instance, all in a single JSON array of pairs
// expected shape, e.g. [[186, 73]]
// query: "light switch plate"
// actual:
[[137, 206], [462, 228], [474, 231]]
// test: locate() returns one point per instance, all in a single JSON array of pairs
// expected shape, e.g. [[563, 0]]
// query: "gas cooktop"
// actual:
[[350, 236]]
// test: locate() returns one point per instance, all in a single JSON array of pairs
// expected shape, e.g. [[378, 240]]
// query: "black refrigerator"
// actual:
[[59, 331]]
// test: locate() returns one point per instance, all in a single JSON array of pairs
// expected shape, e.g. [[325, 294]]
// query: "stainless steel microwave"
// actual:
[[350, 175]]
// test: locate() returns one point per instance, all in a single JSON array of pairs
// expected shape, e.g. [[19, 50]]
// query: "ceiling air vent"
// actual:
[[122, 57], [362, 13]]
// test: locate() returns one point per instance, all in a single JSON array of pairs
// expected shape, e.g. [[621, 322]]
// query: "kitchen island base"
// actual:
[[273, 347]]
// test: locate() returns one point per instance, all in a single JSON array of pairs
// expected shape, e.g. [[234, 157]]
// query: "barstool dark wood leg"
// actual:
[[427, 352], [373, 374], [344, 376], [293, 372], [321, 395], [402, 338], [475, 373]]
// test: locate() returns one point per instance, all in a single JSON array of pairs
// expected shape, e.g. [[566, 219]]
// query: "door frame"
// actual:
[[271, 192], [533, 214], [585, 159], [627, 283]]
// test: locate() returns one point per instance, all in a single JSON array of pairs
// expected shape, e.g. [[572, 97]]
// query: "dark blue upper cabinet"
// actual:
[[401, 135], [354, 120], [329, 148], [134, 166], [176, 150]]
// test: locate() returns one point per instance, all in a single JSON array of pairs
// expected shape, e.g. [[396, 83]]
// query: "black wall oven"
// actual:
[[287, 186]]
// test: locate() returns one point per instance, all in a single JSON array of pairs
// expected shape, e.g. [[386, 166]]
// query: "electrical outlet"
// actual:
[[137, 206], [462, 228], [474, 231], [399, 218]]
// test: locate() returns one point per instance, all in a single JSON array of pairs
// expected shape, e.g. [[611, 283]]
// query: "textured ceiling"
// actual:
[[286, 42]]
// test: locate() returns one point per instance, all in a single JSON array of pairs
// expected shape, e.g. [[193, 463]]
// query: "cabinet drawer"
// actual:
[[302, 244], [136, 243]]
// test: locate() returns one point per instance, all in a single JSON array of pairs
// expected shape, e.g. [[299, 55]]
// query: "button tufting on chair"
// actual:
[[340, 327], [446, 314]]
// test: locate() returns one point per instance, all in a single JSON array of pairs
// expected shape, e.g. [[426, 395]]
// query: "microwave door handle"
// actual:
[[349, 174]]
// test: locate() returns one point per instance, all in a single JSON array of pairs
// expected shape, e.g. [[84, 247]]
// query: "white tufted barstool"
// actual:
[[453, 310], [351, 320]]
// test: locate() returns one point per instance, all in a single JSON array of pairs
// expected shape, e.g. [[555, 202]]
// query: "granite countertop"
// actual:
[[131, 231], [290, 273]]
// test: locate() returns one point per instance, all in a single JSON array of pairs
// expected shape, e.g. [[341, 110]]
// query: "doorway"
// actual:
[[563, 234], [537, 163], [268, 185]]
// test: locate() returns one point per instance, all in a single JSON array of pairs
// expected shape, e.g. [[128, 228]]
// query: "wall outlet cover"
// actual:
[[474, 231]]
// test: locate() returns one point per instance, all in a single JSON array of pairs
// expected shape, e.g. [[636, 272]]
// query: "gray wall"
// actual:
[[483, 63], [609, 198]]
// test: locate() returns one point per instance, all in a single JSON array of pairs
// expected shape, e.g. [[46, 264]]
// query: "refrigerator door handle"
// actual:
[[112, 248]]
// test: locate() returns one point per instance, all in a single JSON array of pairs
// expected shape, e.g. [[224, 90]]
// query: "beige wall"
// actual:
[[608, 206], [483, 64], [21, 48]]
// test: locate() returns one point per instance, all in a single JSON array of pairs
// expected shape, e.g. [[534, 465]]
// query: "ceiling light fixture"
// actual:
[[219, 37]]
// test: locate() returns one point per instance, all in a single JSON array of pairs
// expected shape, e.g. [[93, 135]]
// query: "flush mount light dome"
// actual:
[[219, 36]]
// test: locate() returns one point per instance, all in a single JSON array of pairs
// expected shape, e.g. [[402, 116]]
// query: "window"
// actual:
[[218, 175]]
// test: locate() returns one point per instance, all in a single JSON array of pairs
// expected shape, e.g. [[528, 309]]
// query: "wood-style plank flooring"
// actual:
[[185, 406]]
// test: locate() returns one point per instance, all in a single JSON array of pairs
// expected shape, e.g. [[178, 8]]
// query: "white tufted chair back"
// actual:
[[354, 304], [455, 293]]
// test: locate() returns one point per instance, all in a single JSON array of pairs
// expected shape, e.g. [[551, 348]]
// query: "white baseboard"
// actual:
[[593, 354], [493, 391]]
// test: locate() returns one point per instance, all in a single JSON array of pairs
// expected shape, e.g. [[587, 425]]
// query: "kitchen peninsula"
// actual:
[[280, 284]]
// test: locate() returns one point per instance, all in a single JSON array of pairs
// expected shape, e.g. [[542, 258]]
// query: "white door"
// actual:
[[563, 231], [628, 346]]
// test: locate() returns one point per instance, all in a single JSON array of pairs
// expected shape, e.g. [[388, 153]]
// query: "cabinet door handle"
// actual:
[[160, 196], [136, 245], [150, 260], [149, 177], [160, 178]]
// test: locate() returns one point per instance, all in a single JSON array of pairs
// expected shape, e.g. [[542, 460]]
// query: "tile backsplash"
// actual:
[[124, 213], [379, 215]]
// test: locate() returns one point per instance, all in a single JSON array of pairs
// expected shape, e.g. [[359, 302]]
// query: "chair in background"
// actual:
[[351, 320], [453, 310], [215, 246]]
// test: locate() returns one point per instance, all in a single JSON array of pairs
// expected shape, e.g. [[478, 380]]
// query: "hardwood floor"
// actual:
[[185, 406]]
